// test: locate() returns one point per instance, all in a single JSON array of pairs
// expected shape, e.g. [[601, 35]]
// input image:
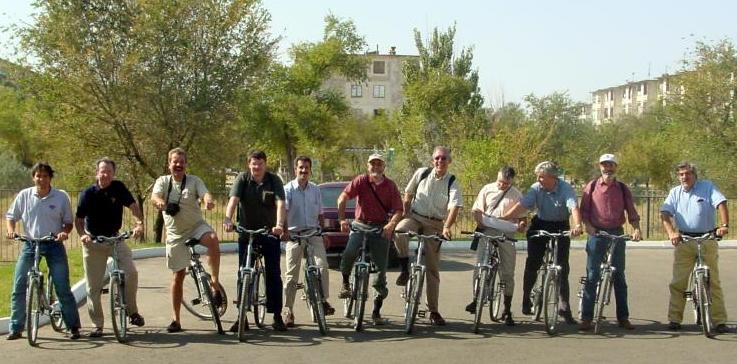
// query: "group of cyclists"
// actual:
[[430, 204]]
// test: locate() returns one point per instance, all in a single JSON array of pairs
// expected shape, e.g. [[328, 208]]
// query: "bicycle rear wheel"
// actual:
[[551, 289], [243, 305], [414, 291], [207, 293], [602, 298], [118, 309], [57, 321], [193, 297], [33, 310], [315, 298], [496, 296], [361, 291], [480, 296], [704, 300], [537, 294], [259, 295]]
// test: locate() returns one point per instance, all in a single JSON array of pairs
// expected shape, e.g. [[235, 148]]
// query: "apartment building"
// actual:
[[632, 98], [381, 92]]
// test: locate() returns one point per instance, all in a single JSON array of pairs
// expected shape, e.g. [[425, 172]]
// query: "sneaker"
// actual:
[[14, 336], [568, 317], [436, 319], [329, 310], [74, 334], [674, 326], [527, 309], [721, 329], [508, 320], [174, 327], [217, 298], [136, 319], [278, 324], [403, 278], [626, 324], [345, 291], [586, 325], [471, 307], [234, 328], [377, 319], [96, 332], [289, 319]]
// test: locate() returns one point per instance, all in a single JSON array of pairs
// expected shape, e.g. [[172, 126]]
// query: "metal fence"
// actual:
[[648, 205]]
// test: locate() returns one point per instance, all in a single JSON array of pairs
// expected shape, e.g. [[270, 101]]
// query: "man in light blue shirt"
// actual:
[[555, 201], [690, 210], [44, 210], [303, 203]]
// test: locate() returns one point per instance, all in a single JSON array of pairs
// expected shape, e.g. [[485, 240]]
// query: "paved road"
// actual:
[[648, 273]]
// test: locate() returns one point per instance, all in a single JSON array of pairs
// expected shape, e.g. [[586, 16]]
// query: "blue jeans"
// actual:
[[596, 250], [379, 249], [56, 259], [270, 248]]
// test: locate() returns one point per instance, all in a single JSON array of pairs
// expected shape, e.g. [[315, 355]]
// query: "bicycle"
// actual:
[[315, 297], [487, 286], [545, 293], [699, 291], [355, 305], [118, 302], [606, 279], [251, 285], [40, 301], [413, 290], [198, 296]]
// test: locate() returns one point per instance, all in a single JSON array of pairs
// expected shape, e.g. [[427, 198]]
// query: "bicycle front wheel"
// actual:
[[315, 298], [551, 289], [259, 295], [496, 296], [193, 297], [243, 305], [57, 321], [481, 296], [537, 294], [414, 295], [207, 293], [118, 309], [704, 294], [602, 298], [361, 291], [33, 310]]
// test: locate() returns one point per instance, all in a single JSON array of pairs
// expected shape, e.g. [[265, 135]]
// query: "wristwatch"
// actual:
[[725, 225]]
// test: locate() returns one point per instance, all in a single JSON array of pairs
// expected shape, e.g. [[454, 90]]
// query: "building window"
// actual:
[[356, 91], [378, 112], [643, 88], [610, 96], [379, 67], [379, 91]]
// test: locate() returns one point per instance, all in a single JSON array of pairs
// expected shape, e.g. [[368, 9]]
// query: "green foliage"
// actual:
[[13, 175]]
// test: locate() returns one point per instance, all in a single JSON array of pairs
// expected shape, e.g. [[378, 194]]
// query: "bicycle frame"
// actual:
[[203, 284], [547, 287], [486, 276], [117, 277], [700, 292], [362, 268], [315, 296], [605, 285], [413, 290], [247, 285]]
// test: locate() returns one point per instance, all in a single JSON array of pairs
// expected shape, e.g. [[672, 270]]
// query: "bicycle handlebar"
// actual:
[[498, 238], [23, 238], [263, 231], [421, 236], [538, 233], [604, 234], [306, 233], [373, 230], [101, 239], [708, 236]]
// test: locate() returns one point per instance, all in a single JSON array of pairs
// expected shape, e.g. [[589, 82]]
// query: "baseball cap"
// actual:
[[376, 156], [608, 158]]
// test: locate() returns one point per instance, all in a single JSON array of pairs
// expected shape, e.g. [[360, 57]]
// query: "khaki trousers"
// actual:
[[684, 260], [94, 259], [295, 253], [423, 226]]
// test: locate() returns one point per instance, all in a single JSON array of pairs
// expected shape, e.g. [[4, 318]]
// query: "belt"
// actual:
[[374, 223], [427, 217], [693, 235]]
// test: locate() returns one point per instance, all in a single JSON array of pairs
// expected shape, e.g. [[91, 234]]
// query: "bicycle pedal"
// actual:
[[300, 286], [196, 301], [421, 313], [105, 291]]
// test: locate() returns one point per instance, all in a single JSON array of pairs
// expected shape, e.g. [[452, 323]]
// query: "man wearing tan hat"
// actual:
[[603, 205], [378, 205]]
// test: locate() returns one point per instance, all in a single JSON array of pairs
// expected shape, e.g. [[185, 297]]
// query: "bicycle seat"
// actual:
[[192, 242]]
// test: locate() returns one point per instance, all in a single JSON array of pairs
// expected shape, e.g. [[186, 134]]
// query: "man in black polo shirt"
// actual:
[[100, 212], [259, 194]]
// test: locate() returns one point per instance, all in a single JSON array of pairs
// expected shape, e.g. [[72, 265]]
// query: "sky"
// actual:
[[520, 47]]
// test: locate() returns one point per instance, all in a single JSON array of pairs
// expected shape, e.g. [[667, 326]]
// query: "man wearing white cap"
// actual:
[[603, 205], [378, 205]]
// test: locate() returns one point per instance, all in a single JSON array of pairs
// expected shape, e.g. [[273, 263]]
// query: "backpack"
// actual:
[[426, 173]]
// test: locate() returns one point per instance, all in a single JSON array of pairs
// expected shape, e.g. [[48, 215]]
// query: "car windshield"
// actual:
[[330, 198]]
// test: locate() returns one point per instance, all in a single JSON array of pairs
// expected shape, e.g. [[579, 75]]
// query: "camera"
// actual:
[[172, 209]]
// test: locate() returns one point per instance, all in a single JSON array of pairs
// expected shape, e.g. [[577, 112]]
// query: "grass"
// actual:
[[76, 273]]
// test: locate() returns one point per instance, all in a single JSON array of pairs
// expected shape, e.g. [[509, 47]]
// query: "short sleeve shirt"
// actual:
[[432, 197], [257, 200], [490, 195], [694, 210], [190, 215], [303, 205], [368, 208], [41, 216], [555, 205], [102, 208]]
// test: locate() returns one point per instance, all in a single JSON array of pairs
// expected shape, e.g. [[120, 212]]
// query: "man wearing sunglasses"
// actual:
[[432, 201]]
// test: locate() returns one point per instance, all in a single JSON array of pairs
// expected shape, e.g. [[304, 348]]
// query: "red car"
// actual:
[[334, 239]]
